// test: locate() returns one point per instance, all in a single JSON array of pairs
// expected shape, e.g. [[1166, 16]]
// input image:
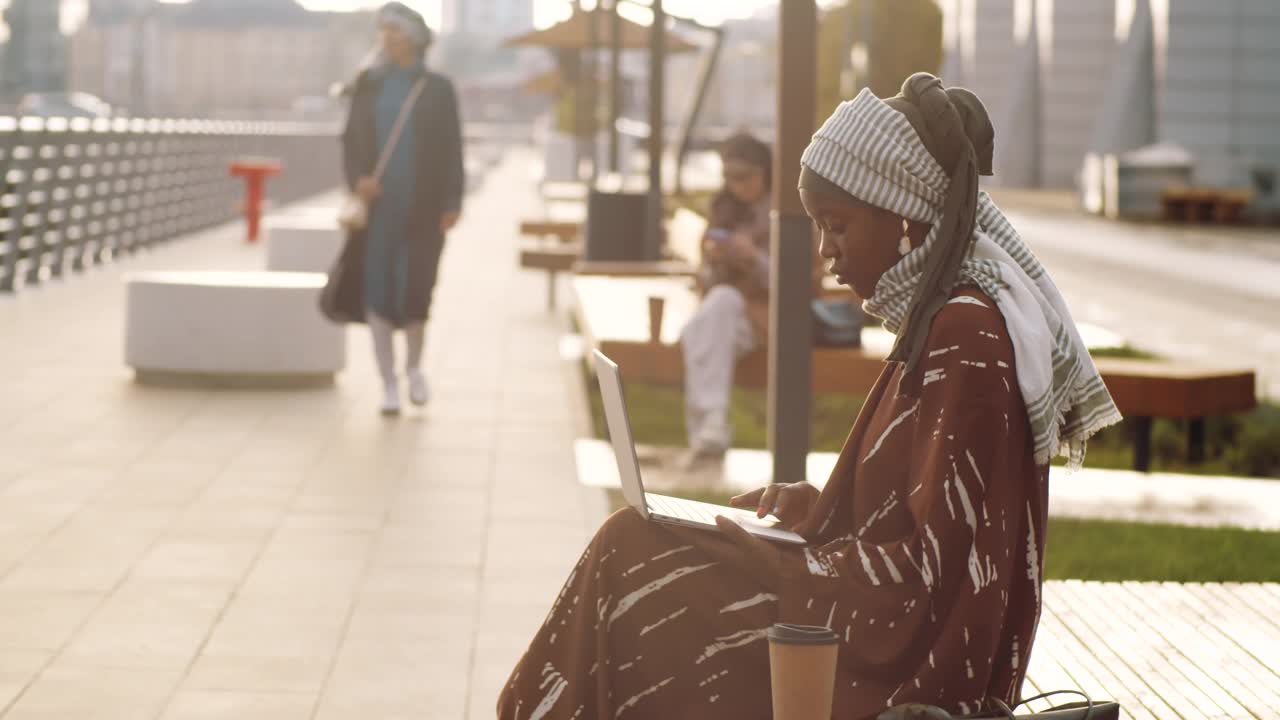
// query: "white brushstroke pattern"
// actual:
[[892, 426], [631, 701], [669, 553], [645, 630], [728, 642], [558, 685], [893, 569], [866, 565], [749, 602], [628, 601]]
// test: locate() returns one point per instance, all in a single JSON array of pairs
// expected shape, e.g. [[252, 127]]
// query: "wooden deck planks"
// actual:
[[1162, 650], [1090, 644]]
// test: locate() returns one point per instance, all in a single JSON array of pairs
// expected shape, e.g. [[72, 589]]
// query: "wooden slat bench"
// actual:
[[682, 252], [684, 243], [564, 231], [553, 244], [1147, 389], [613, 314], [1204, 204]]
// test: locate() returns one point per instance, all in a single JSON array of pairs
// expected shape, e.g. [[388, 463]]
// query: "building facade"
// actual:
[[498, 18], [34, 59], [257, 59], [1215, 69]]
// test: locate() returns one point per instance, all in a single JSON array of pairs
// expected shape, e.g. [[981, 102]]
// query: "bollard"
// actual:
[[255, 172]]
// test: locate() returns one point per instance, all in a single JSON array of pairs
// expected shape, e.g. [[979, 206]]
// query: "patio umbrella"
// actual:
[[575, 34], [545, 83]]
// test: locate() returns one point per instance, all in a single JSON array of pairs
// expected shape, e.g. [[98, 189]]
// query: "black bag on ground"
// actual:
[[1088, 709]]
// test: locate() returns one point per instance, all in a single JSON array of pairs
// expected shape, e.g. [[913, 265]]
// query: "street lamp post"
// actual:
[[791, 275]]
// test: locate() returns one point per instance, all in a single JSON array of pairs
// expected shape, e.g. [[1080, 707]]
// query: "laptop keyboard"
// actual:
[[692, 509]]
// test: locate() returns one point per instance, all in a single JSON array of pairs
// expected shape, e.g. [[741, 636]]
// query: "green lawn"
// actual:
[[1247, 445], [1101, 550], [1106, 550]]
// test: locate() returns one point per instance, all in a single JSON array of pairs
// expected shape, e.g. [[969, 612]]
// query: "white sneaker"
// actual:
[[418, 391], [391, 399]]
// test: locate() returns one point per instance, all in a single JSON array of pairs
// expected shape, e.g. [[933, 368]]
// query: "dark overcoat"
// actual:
[[439, 183]]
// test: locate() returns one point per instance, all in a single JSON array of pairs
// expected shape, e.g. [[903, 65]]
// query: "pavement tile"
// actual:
[[225, 705], [68, 690]]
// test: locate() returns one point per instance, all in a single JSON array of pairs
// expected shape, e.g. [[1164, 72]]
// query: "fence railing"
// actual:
[[76, 193]]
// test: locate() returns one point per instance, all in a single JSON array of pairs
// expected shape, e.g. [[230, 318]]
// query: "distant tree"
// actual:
[[901, 37]]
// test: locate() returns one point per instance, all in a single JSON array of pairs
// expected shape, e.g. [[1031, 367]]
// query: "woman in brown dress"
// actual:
[[927, 542]]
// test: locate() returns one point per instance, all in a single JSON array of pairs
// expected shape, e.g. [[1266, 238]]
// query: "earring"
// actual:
[[904, 245]]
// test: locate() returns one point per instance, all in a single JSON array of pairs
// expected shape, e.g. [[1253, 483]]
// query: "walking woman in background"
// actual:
[[389, 268]]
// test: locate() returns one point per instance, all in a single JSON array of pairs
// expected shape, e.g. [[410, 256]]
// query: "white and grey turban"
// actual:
[[408, 20], [919, 155]]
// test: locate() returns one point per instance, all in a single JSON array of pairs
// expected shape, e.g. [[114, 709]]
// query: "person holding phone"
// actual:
[[732, 318]]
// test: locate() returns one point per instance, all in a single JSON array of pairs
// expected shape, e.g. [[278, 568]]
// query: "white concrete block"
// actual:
[[302, 244], [228, 324]]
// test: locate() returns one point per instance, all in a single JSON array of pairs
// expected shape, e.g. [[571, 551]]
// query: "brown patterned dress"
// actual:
[[926, 555]]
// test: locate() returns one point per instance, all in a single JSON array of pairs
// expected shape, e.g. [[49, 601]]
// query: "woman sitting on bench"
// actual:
[[731, 319], [926, 545]]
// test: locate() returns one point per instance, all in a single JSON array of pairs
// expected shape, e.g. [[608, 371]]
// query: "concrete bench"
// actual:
[[230, 328], [302, 243]]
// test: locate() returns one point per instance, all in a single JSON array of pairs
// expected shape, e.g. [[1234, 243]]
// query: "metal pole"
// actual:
[[579, 103], [791, 246], [704, 84], [657, 58], [615, 86], [590, 97]]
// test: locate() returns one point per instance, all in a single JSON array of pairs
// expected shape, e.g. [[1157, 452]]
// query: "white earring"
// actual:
[[904, 245]]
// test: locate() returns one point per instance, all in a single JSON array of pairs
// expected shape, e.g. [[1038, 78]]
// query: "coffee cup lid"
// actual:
[[788, 634]]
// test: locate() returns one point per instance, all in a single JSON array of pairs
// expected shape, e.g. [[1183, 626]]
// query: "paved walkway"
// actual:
[[1207, 295], [233, 554]]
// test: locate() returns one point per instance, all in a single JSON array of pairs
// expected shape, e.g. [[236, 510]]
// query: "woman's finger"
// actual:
[[768, 500], [751, 499], [787, 505]]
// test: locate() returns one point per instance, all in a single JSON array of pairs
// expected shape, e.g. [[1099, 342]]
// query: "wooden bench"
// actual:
[[1204, 204], [613, 315], [682, 252], [553, 245], [557, 248], [1148, 389]]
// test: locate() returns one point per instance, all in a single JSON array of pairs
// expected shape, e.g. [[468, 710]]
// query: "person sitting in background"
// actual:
[[732, 318]]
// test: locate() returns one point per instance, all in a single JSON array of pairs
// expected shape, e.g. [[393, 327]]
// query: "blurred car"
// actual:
[[66, 105]]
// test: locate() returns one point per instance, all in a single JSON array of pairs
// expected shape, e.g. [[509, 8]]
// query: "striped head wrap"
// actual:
[[409, 21], [918, 155]]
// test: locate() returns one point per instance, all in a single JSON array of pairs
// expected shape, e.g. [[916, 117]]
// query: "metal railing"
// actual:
[[77, 193]]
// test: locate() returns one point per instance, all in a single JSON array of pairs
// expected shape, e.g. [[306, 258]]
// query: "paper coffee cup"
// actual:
[[802, 666], [656, 306]]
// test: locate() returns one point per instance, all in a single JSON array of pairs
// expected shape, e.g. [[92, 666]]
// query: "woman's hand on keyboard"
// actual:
[[789, 503]]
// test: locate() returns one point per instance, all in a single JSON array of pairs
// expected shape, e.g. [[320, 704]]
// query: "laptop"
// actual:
[[662, 508]]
